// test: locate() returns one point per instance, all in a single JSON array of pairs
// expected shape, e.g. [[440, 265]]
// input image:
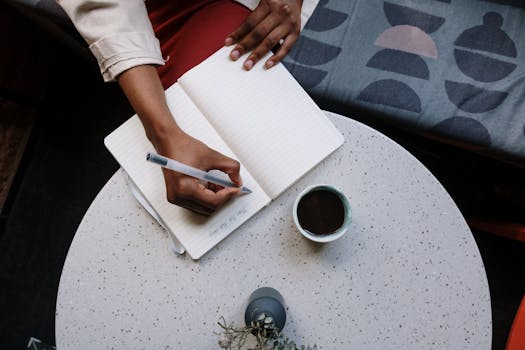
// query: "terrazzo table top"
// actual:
[[407, 276]]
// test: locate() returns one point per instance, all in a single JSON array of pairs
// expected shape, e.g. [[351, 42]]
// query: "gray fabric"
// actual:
[[48, 9], [462, 80], [52, 18], [55, 12]]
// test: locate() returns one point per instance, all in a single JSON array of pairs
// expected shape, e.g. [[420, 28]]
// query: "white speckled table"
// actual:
[[408, 276]]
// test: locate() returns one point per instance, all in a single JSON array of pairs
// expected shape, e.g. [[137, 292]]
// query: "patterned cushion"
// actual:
[[453, 70]]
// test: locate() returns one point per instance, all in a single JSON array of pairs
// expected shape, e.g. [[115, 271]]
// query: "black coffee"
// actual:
[[321, 212]]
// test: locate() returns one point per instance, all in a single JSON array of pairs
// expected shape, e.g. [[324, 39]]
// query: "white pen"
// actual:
[[182, 168]]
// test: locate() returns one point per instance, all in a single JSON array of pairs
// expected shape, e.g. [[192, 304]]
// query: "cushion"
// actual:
[[451, 70]]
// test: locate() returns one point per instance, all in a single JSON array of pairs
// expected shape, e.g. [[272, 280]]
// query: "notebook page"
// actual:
[[197, 234], [265, 116]]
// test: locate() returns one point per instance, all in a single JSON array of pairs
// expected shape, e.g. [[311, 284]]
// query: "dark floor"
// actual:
[[66, 164]]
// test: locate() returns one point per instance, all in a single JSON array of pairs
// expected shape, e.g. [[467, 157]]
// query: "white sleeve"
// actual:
[[118, 33]]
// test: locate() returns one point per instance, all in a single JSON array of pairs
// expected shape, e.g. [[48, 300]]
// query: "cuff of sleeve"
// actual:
[[120, 52], [119, 67]]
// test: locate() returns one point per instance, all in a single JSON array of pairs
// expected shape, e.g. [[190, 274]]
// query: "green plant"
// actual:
[[268, 337]]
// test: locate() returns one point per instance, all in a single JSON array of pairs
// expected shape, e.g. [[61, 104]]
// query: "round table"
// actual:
[[407, 276]]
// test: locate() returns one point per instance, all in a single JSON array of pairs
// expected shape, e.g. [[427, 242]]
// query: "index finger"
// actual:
[[227, 165]]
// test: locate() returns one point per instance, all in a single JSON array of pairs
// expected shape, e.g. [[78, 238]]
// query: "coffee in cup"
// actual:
[[322, 213]]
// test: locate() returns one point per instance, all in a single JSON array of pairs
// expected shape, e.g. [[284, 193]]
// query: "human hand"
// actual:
[[143, 88], [189, 192], [270, 22]]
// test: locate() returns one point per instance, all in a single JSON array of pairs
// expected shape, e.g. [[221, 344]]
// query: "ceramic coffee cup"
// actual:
[[322, 213]]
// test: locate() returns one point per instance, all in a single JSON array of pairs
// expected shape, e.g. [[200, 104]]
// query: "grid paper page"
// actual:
[[265, 116], [197, 234]]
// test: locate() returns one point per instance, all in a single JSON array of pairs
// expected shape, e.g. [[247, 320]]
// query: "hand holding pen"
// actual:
[[143, 88], [184, 186], [172, 164]]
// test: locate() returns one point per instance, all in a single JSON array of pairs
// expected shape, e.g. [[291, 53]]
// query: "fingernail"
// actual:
[[228, 41], [248, 64], [234, 55], [269, 64]]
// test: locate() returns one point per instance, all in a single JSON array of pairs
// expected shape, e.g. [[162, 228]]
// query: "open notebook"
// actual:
[[263, 118]]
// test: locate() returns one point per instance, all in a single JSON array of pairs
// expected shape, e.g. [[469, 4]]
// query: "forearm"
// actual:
[[142, 87]]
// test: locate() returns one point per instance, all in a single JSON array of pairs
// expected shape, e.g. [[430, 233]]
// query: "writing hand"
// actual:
[[270, 22], [142, 87], [189, 192]]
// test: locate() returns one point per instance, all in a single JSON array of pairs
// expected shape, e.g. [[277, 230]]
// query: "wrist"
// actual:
[[162, 131]]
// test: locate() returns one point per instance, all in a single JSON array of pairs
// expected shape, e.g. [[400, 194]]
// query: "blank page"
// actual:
[[196, 233], [265, 116]]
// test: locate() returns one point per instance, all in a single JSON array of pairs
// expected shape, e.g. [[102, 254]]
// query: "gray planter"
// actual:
[[268, 301]]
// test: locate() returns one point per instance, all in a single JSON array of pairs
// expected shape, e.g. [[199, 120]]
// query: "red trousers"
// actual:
[[190, 31]]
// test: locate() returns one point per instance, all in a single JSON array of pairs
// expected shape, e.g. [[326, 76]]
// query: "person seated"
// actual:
[[147, 46]]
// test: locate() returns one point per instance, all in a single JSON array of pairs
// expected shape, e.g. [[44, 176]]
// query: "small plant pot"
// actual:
[[268, 301]]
